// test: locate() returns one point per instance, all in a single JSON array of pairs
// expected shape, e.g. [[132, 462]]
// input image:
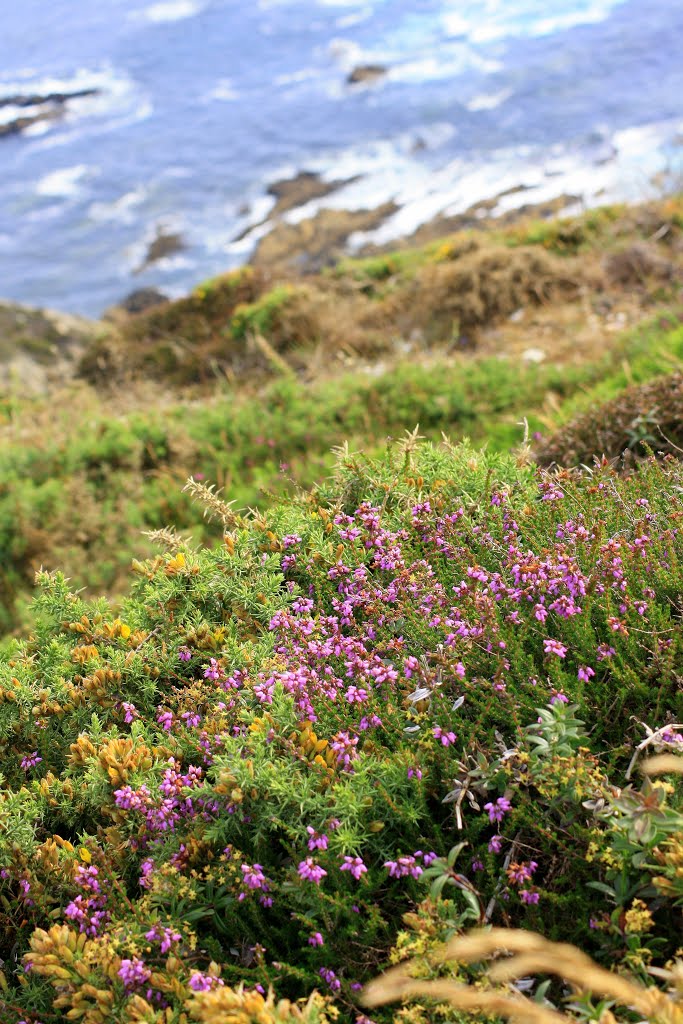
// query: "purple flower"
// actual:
[[146, 869], [355, 865], [310, 871], [130, 712], [134, 973], [165, 720], [331, 978], [165, 936], [520, 873], [499, 809], [213, 670], [184, 654], [204, 982], [316, 939], [317, 840], [585, 673], [558, 698], [527, 896], [554, 647], [446, 737], [30, 761], [290, 540], [254, 877], [403, 866]]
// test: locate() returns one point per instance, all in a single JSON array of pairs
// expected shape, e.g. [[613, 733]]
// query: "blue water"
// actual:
[[205, 102]]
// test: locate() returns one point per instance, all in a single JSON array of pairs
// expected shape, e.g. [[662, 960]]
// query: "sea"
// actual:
[[201, 104]]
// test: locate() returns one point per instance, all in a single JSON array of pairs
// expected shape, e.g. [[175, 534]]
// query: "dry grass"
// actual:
[[518, 954]]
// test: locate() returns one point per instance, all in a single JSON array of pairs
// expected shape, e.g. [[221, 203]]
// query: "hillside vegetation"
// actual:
[[249, 383], [412, 700], [353, 696]]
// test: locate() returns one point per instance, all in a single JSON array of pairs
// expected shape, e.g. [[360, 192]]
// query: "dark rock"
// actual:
[[45, 107], [317, 242], [364, 73], [166, 243], [293, 192], [19, 124], [142, 299], [37, 99], [307, 185]]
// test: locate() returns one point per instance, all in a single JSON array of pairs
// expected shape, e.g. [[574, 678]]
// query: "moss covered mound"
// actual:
[[643, 418]]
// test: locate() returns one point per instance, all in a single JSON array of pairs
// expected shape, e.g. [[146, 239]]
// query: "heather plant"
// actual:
[[410, 700], [81, 482]]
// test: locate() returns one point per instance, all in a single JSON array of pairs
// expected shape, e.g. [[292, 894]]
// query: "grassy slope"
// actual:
[[79, 487]]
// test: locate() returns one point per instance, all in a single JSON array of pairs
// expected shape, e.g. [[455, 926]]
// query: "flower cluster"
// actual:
[[296, 722]]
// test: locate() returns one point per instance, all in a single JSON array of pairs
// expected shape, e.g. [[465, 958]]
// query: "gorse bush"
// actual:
[[403, 703], [80, 482]]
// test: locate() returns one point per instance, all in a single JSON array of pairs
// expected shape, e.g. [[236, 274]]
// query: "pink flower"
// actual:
[[499, 809], [527, 896], [316, 939], [165, 720], [355, 865], [554, 647], [133, 973], [403, 866], [254, 877], [30, 761], [204, 982], [331, 978], [585, 673], [317, 840], [311, 871], [446, 737]]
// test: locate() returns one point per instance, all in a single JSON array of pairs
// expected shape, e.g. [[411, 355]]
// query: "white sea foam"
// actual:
[[65, 182], [124, 210], [115, 102], [486, 21], [169, 10], [488, 101], [391, 169], [294, 77], [422, 65], [223, 90], [348, 20]]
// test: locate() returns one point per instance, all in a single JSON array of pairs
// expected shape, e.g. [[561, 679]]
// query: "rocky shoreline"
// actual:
[[39, 108], [307, 246]]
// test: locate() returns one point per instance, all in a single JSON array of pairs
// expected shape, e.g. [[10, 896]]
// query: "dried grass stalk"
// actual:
[[661, 763], [530, 954]]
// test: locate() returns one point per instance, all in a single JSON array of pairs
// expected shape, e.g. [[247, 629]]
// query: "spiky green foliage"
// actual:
[[256, 769]]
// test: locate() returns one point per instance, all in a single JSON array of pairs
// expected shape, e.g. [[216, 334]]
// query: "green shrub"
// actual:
[[248, 773]]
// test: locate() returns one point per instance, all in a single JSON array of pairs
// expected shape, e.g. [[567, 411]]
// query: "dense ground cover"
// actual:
[[80, 480], [402, 703]]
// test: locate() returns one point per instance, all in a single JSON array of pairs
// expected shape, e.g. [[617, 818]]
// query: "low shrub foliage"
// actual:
[[409, 701], [79, 482]]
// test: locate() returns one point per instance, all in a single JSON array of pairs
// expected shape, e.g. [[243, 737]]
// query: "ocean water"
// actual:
[[203, 103]]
